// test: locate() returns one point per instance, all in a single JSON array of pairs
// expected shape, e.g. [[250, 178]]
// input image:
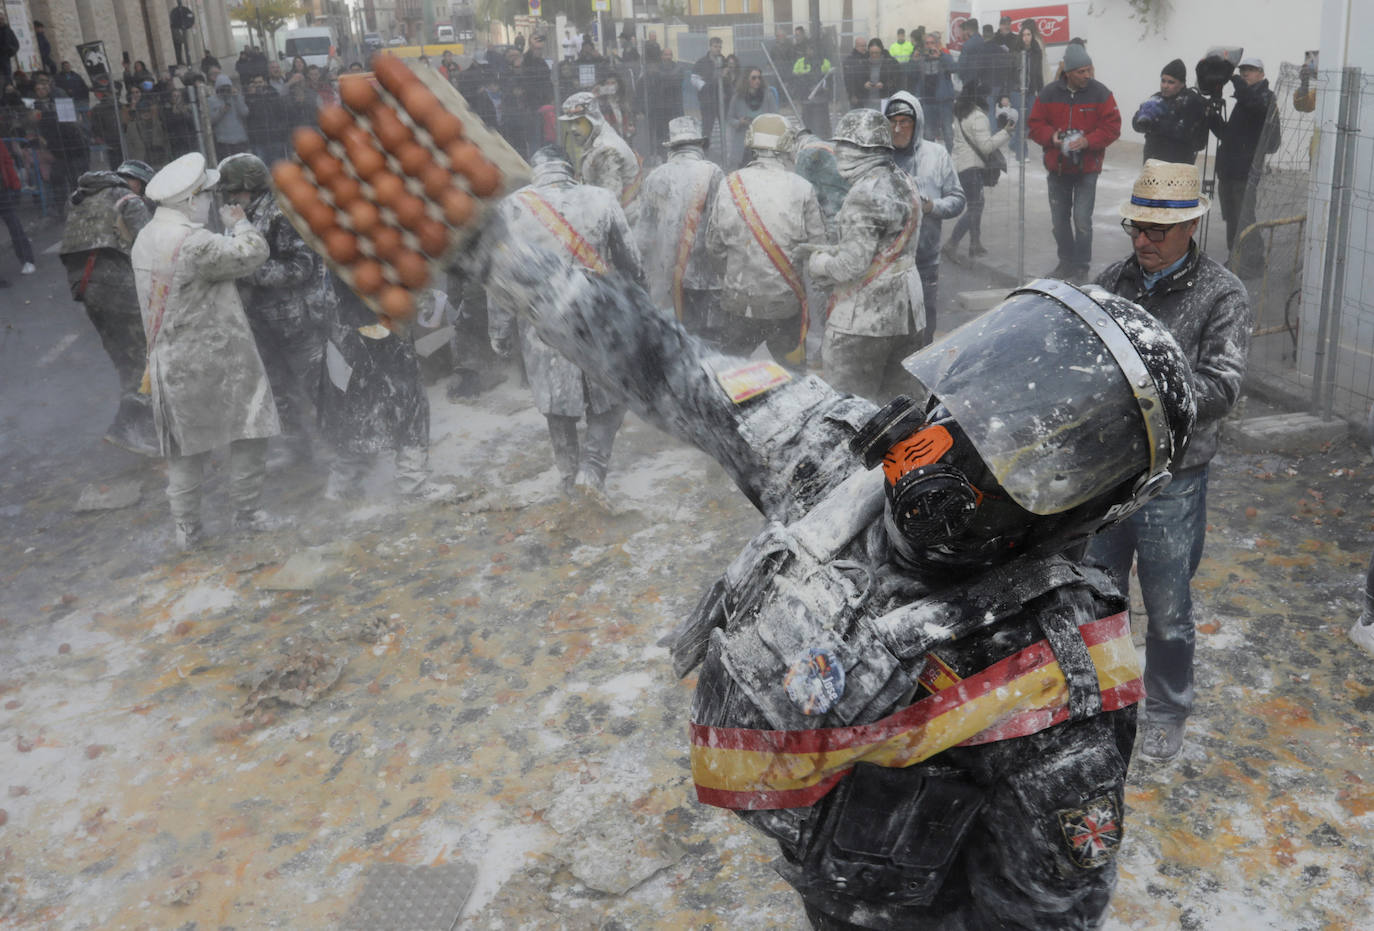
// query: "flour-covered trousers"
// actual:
[[348, 469], [593, 457], [870, 366], [1166, 538], [186, 474]]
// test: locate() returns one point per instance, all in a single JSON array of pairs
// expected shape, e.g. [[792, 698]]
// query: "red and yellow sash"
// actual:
[[685, 241], [563, 231], [882, 261], [632, 189], [1025, 693], [740, 195]]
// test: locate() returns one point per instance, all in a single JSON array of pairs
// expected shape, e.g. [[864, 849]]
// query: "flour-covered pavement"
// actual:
[[238, 738]]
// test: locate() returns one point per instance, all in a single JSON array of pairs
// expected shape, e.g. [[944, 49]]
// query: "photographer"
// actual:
[[1173, 121], [227, 114], [1239, 139]]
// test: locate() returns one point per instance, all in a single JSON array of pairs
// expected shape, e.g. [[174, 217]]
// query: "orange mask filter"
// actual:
[[922, 448]]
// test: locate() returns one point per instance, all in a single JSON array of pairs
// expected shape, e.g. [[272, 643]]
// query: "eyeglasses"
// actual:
[[1152, 233]]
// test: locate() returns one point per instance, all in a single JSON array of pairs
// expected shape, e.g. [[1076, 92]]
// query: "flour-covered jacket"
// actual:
[[930, 166], [815, 161], [674, 213], [557, 214], [609, 162], [1207, 310], [209, 386], [104, 219], [871, 270], [281, 287], [763, 281]]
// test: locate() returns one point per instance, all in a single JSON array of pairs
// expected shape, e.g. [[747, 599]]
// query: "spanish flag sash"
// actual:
[[691, 222], [740, 195], [632, 189], [563, 231], [882, 261], [741, 768]]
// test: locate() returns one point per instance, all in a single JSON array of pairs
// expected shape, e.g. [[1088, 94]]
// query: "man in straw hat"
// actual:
[[1207, 310], [208, 385]]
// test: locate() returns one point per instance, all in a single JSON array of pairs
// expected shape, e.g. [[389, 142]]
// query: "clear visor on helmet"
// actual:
[[1043, 400]]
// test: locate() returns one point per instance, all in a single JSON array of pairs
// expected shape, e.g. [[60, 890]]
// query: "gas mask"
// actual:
[[1056, 413]]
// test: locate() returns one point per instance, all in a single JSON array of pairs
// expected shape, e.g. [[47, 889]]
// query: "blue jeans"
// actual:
[[1072, 198], [1166, 538]]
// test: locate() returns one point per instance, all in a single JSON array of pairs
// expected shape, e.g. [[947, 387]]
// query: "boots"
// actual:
[[133, 428], [190, 535], [975, 248]]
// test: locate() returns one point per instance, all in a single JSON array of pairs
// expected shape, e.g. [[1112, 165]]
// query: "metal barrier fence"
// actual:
[[1313, 334]]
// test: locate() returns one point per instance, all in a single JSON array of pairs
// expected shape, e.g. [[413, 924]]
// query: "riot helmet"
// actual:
[[136, 170], [769, 132], [865, 128], [580, 118], [550, 163], [243, 173], [1055, 414]]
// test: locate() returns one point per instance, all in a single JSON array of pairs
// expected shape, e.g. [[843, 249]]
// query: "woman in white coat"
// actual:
[[974, 142]]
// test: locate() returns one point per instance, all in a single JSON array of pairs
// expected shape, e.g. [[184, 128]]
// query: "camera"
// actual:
[[1215, 68]]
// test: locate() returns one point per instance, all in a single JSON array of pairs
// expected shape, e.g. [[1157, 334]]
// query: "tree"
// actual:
[[266, 16]]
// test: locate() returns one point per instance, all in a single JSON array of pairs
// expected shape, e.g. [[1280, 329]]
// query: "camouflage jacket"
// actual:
[[105, 214], [284, 285]]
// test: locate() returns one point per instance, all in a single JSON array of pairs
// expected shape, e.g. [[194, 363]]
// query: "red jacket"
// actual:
[[1093, 110], [9, 174]]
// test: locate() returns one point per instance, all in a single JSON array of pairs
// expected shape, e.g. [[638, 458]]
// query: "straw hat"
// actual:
[[1166, 192]]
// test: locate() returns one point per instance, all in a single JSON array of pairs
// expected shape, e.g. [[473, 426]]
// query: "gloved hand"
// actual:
[[231, 214], [501, 345]]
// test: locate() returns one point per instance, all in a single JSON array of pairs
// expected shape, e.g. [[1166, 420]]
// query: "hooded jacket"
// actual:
[[675, 212], [930, 166], [786, 206], [1207, 310], [591, 214], [1092, 110]]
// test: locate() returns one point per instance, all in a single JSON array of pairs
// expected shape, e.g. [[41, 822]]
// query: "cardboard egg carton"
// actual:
[[418, 223]]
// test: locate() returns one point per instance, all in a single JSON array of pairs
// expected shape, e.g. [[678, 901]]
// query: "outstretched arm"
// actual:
[[784, 446]]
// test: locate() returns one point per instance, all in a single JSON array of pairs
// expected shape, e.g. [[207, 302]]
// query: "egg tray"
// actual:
[[515, 172]]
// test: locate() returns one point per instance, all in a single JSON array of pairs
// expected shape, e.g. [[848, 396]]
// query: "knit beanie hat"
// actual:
[[1176, 70], [1075, 57]]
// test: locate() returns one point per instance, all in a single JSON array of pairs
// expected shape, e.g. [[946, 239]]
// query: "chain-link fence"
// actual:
[[1314, 322]]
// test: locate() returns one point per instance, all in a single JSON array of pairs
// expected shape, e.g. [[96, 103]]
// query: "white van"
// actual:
[[313, 43], [443, 33]]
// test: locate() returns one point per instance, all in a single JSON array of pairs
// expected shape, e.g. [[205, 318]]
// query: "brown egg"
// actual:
[[409, 210], [387, 188], [327, 169], [286, 173], [397, 303], [413, 158], [394, 74], [457, 205], [387, 243], [435, 179], [334, 121], [367, 277], [341, 246], [484, 178], [367, 161], [411, 268], [320, 217], [346, 190], [461, 155], [389, 129], [364, 217], [419, 101], [307, 143], [444, 127], [433, 237], [357, 92]]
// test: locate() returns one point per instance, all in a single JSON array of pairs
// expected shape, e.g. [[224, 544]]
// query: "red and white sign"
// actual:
[[954, 37], [1052, 21]]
